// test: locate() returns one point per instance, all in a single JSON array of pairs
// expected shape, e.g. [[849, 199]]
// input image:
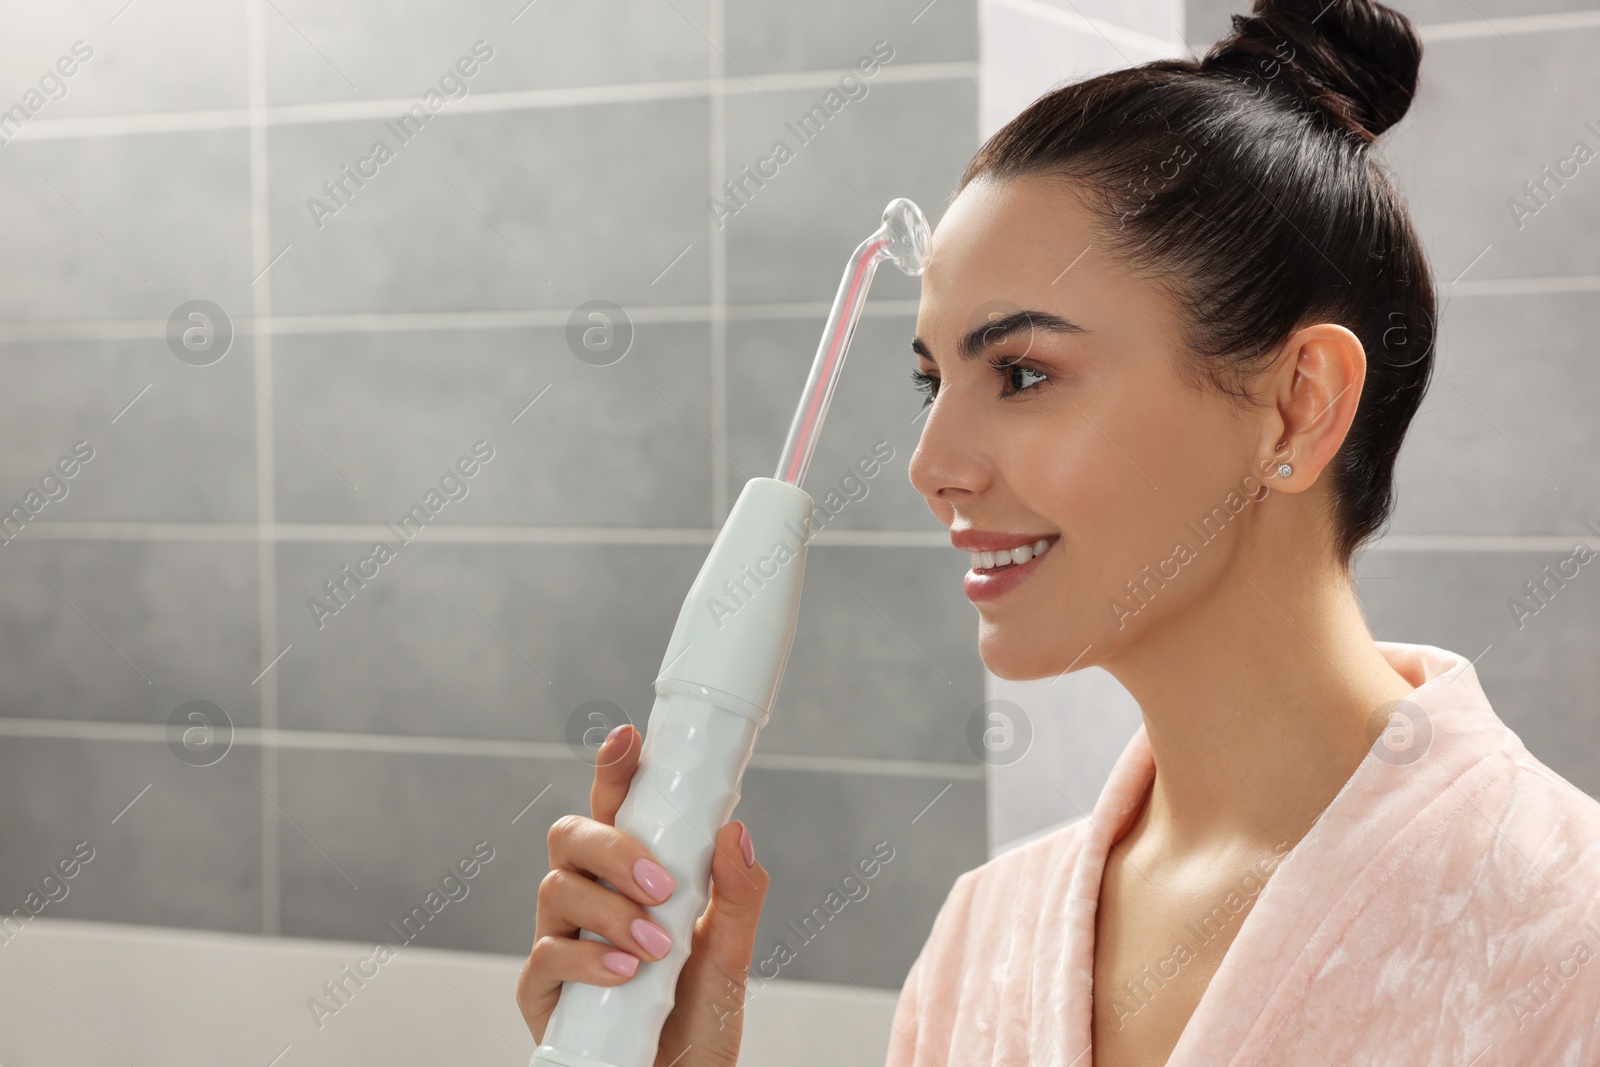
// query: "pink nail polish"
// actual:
[[620, 962], [653, 879], [746, 847], [612, 736], [651, 937]]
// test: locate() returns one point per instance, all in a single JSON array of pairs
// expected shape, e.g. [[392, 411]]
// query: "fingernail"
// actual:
[[746, 847], [607, 753], [651, 937], [620, 962], [653, 878]]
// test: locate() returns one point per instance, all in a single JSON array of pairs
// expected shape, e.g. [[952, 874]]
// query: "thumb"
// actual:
[[726, 933]]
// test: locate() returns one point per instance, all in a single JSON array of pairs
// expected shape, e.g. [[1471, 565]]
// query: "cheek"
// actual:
[[1186, 534], [1112, 521], [1125, 483], [1090, 476]]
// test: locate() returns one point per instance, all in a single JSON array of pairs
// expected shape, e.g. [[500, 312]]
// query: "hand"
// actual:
[[707, 1018]]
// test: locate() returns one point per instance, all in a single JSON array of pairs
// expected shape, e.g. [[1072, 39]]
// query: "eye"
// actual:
[[925, 383], [1020, 377]]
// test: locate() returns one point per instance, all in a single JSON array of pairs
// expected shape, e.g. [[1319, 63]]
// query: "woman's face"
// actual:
[[1089, 439]]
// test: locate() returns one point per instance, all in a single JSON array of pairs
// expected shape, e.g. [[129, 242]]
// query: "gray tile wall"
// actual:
[[1497, 478], [371, 352]]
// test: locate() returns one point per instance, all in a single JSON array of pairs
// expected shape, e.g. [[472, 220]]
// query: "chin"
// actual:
[[1017, 660]]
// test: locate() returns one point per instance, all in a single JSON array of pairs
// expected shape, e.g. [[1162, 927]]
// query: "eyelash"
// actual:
[[924, 382]]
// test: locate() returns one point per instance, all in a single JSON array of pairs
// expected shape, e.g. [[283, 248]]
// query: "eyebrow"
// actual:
[[992, 333]]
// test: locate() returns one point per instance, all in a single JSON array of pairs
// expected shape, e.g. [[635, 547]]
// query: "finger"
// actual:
[[601, 850], [565, 959], [569, 902], [615, 762], [727, 930], [555, 960]]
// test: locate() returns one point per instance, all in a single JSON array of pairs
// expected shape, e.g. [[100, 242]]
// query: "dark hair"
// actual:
[[1245, 183]]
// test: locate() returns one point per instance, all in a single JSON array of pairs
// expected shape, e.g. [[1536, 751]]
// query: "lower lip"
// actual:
[[987, 585]]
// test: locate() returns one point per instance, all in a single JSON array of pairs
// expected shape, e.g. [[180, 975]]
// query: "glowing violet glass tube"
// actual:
[[903, 237]]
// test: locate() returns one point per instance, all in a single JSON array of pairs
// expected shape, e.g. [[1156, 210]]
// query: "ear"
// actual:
[[1312, 398]]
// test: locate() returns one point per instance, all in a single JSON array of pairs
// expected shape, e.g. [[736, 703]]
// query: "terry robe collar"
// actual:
[[1443, 910]]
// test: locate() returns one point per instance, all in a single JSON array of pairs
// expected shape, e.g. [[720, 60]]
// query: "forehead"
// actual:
[[1030, 243], [1029, 229]]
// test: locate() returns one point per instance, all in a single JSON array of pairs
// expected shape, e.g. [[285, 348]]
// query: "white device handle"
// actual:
[[718, 680]]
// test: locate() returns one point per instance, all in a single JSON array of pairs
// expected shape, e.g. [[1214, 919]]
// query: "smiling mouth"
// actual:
[[994, 562]]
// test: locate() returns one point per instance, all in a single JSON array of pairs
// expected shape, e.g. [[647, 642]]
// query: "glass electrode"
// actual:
[[902, 238]]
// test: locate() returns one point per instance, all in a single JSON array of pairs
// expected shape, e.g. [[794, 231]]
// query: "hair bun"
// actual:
[[1354, 61]]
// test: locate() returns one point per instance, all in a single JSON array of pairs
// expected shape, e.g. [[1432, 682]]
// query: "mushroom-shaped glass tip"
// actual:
[[907, 231]]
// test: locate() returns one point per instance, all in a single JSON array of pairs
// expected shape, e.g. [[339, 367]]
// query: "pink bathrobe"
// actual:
[[1444, 910]]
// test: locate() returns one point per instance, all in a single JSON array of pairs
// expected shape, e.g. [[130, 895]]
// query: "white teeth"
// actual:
[[1008, 556]]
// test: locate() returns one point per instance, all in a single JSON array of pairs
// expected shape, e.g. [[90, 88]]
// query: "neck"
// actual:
[[1258, 706]]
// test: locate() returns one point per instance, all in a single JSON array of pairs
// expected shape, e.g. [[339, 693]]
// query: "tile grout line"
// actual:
[[339, 533], [1547, 22], [266, 468], [1088, 25], [24, 330], [1434, 32], [515, 100], [717, 100], [482, 748], [715, 85]]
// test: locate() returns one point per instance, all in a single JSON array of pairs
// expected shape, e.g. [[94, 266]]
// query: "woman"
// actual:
[[1175, 324]]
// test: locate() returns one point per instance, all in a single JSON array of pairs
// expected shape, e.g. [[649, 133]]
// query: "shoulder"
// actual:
[[975, 967], [1540, 929], [1496, 876], [987, 900], [1038, 853], [1522, 835], [1562, 821], [1553, 830], [1534, 776]]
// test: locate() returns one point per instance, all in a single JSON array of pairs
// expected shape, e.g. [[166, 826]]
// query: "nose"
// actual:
[[949, 464]]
